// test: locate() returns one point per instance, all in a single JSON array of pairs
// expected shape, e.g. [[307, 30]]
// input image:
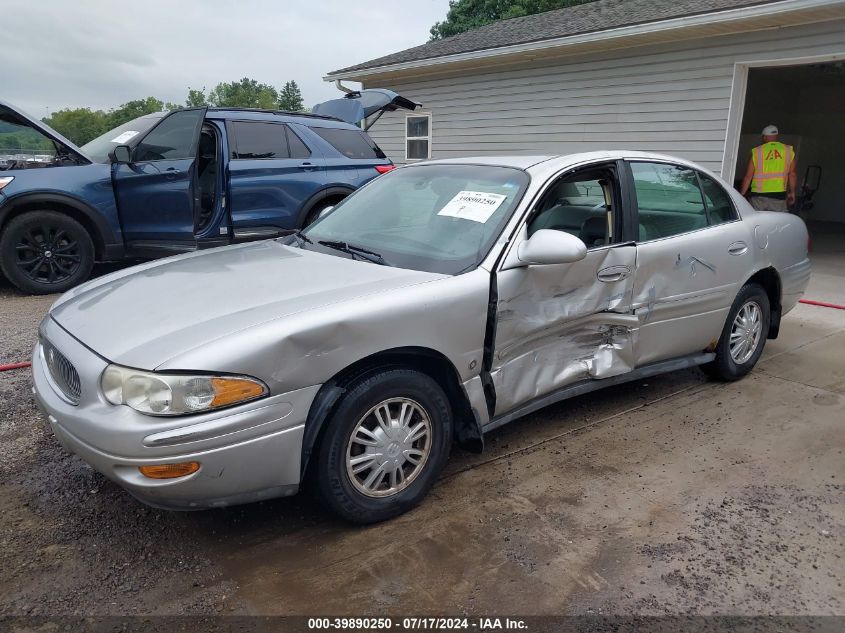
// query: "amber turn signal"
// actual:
[[230, 390], [169, 471]]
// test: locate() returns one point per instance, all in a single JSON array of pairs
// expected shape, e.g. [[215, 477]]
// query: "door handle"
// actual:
[[613, 273], [171, 172], [307, 166], [738, 248]]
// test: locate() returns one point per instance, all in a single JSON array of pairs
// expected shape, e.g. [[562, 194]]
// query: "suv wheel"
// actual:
[[744, 335], [42, 252], [384, 446], [315, 213]]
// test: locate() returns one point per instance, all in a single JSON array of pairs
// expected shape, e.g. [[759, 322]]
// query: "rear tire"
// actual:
[[385, 445], [314, 214], [43, 252], [743, 337]]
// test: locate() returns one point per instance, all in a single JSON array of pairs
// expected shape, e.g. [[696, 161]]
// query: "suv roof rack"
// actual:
[[309, 115]]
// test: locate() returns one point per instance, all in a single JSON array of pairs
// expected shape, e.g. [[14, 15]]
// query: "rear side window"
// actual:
[[669, 200], [350, 143], [257, 139], [298, 149], [720, 207]]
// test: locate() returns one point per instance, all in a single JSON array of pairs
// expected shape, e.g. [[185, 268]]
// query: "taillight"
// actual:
[[383, 169]]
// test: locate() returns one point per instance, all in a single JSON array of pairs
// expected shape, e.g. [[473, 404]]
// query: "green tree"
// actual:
[[290, 98], [133, 109], [465, 15], [196, 98], [80, 125], [246, 93]]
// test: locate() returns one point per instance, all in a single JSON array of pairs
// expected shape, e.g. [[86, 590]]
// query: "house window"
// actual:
[[418, 137]]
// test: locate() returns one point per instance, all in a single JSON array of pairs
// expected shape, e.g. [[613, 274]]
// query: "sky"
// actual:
[[100, 53]]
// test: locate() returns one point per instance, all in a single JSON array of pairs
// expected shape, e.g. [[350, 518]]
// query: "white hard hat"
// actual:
[[770, 130]]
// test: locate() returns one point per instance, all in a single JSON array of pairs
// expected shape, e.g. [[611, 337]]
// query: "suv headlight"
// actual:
[[176, 394]]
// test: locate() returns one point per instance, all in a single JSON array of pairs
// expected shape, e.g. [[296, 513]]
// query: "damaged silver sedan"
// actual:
[[438, 302]]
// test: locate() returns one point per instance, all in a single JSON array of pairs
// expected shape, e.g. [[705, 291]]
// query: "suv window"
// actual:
[[298, 149], [258, 139], [668, 199], [175, 137], [350, 143]]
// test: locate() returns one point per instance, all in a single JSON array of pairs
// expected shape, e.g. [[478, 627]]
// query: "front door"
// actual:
[[561, 324], [692, 254], [156, 192]]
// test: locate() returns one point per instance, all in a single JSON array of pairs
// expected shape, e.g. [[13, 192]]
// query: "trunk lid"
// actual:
[[356, 106]]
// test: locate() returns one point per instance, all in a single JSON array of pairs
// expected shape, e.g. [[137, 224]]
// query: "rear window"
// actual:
[[350, 143]]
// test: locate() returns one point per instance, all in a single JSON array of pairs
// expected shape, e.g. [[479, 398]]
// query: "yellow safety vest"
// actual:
[[771, 167]]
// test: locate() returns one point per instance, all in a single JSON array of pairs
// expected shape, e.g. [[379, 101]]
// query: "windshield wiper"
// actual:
[[301, 236], [363, 253]]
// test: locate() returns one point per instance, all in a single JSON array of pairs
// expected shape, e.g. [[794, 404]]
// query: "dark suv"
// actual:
[[167, 183]]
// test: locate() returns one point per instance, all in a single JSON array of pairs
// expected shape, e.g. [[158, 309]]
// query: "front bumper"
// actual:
[[247, 453]]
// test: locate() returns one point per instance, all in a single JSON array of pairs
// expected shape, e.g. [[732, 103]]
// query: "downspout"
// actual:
[[341, 87]]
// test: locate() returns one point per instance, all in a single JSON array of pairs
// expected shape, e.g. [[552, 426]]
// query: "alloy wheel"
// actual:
[[47, 254]]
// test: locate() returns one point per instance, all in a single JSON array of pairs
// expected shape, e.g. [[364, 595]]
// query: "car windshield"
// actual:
[[98, 149], [439, 218]]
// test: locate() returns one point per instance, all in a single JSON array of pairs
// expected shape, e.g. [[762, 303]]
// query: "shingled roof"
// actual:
[[592, 17]]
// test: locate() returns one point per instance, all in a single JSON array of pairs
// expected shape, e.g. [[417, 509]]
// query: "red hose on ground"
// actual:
[[823, 304], [14, 366]]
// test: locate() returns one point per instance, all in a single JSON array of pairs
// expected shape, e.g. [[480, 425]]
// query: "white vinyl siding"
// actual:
[[671, 98]]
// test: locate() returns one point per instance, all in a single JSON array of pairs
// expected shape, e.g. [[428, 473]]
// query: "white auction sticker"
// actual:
[[473, 205], [122, 138]]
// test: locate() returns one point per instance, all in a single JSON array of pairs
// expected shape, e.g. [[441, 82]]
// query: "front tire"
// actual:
[[42, 252], [744, 335], [384, 446]]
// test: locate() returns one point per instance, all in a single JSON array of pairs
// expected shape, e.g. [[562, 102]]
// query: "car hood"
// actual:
[[11, 111], [143, 316]]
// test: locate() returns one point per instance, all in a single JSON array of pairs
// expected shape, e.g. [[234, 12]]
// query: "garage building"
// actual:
[[694, 78]]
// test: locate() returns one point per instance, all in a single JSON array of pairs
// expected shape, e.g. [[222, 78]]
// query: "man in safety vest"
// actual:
[[771, 174]]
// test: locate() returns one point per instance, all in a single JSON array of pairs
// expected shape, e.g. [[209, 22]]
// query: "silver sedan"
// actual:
[[437, 303]]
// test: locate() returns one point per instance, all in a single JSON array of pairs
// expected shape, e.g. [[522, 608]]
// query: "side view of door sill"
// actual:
[[586, 386]]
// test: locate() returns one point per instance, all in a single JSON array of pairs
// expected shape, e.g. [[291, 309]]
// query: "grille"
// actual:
[[63, 373]]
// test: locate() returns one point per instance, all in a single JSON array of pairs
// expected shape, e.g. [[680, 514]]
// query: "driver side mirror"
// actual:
[[121, 154], [548, 246]]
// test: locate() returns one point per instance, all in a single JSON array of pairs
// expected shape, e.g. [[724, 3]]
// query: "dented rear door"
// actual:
[[561, 324], [693, 254]]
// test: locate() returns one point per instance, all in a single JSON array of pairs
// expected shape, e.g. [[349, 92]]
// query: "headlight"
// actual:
[[176, 394], [5, 181]]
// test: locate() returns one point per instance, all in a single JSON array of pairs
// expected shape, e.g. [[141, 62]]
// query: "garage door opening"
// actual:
[[806, 103]]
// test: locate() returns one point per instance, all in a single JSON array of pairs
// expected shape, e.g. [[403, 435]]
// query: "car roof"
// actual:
[[256, 114], [537, 164]]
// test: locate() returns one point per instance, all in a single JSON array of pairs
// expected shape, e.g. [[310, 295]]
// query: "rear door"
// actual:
[[272, 172], [156, 191], [561, 324], [692, 254]]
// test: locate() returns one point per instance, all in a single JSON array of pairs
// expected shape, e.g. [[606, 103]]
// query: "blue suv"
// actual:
[[168, 183]]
